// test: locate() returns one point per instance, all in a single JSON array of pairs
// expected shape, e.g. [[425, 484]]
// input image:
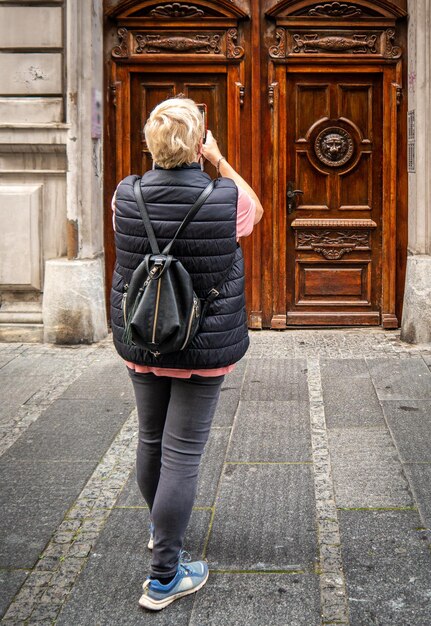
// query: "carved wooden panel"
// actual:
[[336, 9], [133, 44], [312, 102], [320, 283], [294, 42]]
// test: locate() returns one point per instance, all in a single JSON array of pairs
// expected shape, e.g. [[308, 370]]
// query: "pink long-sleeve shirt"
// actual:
[[246, 211]]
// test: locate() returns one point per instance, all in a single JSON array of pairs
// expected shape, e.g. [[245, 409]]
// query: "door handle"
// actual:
[[291, 195]]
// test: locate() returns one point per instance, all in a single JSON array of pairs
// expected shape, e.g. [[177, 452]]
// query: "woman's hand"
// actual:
[[210, 149]]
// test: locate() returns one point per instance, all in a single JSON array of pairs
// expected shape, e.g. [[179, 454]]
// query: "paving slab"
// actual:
[[275, 379], [109, 588], [258, 600], [211, 466], [10, 582], [419, 476], [6, 357], [72, 430], [229, 396], [410, 424], [264, 519], [15, 391], [351, 403], [271, 431], [209, 474], [47, 363], [400, 379], [34, 498], [366, 469], [104, 375], [334, 369], [387, 565]]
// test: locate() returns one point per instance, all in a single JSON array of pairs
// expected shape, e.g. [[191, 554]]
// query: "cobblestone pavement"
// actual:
[[313, 504]]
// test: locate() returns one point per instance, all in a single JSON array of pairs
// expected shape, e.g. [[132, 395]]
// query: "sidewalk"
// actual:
[[314, 499]]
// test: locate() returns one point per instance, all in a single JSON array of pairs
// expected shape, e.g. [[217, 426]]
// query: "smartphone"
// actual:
[[203, 109]]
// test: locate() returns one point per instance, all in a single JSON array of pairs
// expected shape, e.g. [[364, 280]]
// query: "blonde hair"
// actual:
[[173, 131]]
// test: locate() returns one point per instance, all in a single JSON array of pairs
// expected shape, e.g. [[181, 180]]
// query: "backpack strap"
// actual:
[[188, 218], [145, 217]]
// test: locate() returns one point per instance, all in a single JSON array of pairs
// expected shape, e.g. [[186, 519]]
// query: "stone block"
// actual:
[[410, 424], [271, 431], [117, 568], [72, 430], [31, 27], [229, 396], [74, 301], [366, 469], [25, 203], [35, 365], [334, 369], [351, 403], [10, 583], [31, 73], [387, 566], [31, 110], [419, 477], [105, 378], [211, 466], [416, 321], [16, 391], [400, 379], [258, 599], [34, 498], [275, 379], [265, 519]]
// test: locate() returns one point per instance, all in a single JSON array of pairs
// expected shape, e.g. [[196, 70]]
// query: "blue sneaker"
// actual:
[[151, 539], [189, 578]]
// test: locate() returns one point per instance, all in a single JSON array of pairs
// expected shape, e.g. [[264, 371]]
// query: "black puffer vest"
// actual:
[[206, 248]]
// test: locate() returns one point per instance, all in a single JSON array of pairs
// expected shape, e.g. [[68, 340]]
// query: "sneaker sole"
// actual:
[[158, 605], [150, 545]]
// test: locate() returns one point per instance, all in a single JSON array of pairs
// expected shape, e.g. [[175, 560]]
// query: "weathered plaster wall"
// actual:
[[51, 170], [416, 324], [33, 161]]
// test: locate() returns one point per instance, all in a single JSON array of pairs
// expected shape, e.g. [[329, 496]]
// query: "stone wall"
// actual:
[[51, 219], [33, 161], [416, 323]]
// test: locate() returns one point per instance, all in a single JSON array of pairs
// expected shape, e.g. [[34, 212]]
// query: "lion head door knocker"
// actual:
[[334, 146]]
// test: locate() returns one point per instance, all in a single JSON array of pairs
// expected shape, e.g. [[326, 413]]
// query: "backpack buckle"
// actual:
[[212, 295]]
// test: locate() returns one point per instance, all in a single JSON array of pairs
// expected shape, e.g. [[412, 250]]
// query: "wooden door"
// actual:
[[331, 131], [148, 89]]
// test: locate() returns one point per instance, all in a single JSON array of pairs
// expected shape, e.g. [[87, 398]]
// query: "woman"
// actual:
[[177, 394]]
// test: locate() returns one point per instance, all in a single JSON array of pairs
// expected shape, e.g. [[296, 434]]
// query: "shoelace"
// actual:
[[185, 557]]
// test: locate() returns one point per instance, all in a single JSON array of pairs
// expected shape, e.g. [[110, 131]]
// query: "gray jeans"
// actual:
[[175, 418]]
